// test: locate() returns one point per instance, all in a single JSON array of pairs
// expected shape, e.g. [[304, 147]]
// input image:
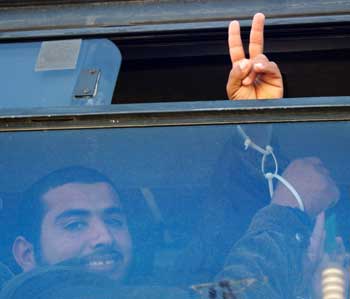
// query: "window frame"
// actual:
[[32, 19], [177, 114]]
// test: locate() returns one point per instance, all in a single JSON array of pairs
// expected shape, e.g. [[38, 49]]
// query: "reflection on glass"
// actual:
[[58, 73], [181, 212]]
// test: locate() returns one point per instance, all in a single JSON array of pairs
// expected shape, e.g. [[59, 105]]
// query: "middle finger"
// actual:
[[256, 41]]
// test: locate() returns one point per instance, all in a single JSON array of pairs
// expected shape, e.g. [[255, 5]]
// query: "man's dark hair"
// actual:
[[32, 208]]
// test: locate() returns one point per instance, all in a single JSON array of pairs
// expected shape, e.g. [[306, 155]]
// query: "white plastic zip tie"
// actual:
[[269, 175], [249, 143], [269, 151]]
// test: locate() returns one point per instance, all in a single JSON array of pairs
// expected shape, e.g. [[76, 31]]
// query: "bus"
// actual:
[[118, 109]]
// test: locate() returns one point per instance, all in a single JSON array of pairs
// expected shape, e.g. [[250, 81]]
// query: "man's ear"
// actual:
[[23, 252]]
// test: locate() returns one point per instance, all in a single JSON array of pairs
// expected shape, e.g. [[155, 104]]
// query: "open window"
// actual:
[[178, 51]]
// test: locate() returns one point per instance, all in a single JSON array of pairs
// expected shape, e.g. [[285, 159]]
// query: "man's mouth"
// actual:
[[103, 262], [98, 261]]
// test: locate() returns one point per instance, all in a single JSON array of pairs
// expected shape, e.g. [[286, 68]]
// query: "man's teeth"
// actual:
[[101, 263]]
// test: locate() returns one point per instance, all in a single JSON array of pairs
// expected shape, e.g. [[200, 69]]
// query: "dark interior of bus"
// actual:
[[193, 66]]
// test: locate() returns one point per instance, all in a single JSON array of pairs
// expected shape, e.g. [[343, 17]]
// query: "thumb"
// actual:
[[317, 239], [239, 71]]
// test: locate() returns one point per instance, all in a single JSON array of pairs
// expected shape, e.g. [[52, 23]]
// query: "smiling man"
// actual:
[[73, 216]]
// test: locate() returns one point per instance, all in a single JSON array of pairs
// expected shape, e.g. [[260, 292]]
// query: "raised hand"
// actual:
[[314, 184], [256, 77]]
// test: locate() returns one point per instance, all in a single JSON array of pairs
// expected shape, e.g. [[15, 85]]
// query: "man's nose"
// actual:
[[100, 234]]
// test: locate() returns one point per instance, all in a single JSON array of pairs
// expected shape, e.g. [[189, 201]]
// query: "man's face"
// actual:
[[84, 225]]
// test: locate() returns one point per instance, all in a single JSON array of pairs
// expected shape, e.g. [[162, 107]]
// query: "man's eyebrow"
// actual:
[[72, 213]]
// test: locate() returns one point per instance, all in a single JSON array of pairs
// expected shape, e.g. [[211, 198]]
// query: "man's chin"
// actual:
[[112, 270]]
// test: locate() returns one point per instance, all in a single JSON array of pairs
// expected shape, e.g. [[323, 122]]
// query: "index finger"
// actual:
[[256, 41], [235, 42]]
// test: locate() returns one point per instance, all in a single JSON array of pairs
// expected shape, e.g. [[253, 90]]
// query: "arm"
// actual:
[[269, 254], [256, 77], [272, 251]]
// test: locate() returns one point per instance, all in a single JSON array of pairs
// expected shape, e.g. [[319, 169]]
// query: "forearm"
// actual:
[[269, 256]]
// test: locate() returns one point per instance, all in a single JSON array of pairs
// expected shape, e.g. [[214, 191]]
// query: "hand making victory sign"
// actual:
[[256, 77]]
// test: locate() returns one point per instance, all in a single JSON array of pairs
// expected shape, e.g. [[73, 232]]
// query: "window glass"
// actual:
[[159, 210], [58, 73]]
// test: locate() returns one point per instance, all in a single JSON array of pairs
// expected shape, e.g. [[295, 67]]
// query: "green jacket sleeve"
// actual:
[[267, 261]]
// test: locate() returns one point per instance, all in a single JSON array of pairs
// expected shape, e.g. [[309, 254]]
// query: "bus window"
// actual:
[[58, 73], [175, 211]]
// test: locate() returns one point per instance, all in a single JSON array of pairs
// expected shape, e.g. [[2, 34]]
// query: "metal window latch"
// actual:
[[87, 83]]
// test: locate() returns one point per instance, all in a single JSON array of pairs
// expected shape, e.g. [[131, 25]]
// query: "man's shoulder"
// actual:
[[52, 282]]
